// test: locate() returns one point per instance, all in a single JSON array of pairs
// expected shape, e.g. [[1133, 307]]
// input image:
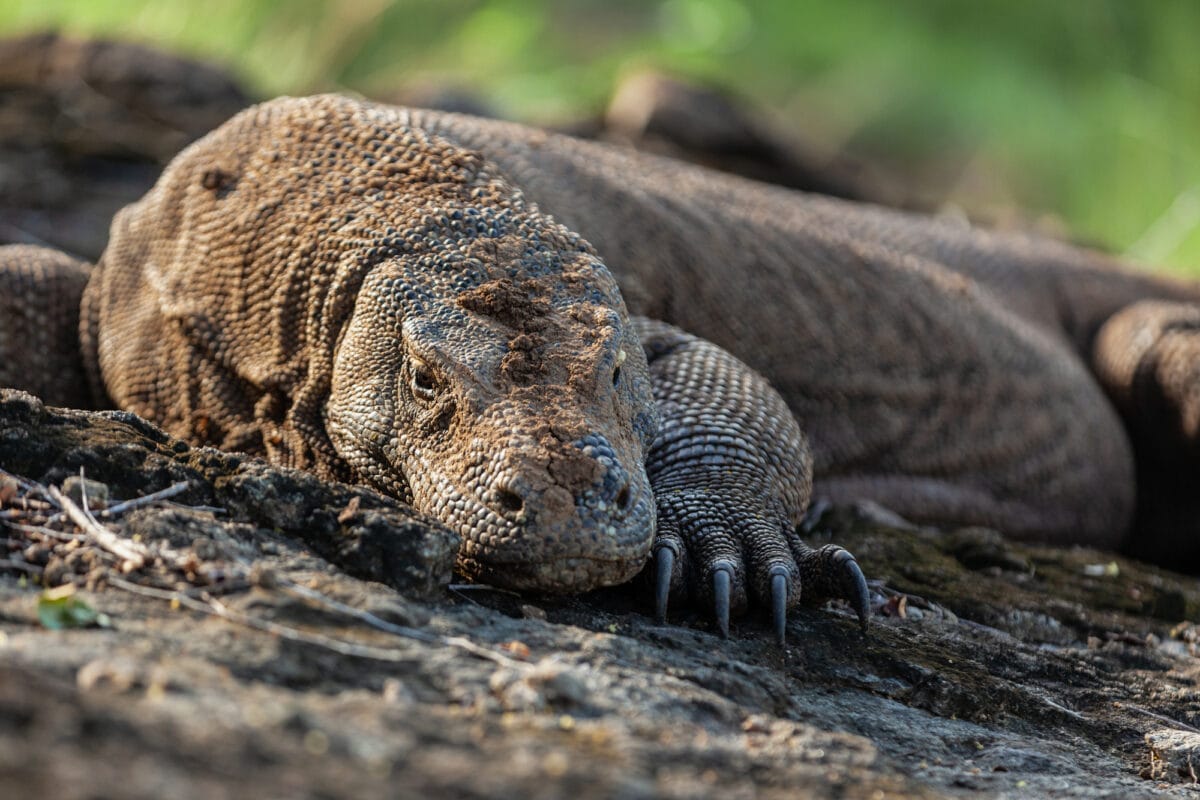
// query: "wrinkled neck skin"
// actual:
[[491, 377]]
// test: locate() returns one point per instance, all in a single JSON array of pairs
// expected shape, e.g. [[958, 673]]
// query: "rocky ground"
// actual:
[[301, 642]]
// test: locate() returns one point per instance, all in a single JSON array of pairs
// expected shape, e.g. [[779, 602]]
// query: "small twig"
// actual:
[[453, 589], [480, 587], [137, 502], [161, 495], [234, 583], [209, 509], [463, 590], [1060, 707], [209, 605], [34, 569], [1160, 717], [24, 483], [294, 635], [83, 495], [22, 506], [44, 531], [392, 628], [133, 554], [329, 603], [29, 487]]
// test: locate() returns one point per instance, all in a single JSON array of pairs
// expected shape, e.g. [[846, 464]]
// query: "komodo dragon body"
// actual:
[[379, 295]]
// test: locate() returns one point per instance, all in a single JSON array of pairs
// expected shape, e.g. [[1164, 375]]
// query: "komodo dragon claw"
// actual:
[[779, 596], [664, 567], [722, 576], [830, 573], [731, 475], [833, 573]]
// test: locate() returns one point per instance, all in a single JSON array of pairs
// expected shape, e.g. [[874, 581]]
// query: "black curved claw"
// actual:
[[779, 595], [721, 581], [854, 585], [664, 565]]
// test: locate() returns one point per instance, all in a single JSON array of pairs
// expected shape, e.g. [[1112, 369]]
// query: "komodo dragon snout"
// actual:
[[515, 412]]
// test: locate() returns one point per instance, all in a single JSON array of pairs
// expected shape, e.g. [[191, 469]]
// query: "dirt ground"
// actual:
[[275, 649]]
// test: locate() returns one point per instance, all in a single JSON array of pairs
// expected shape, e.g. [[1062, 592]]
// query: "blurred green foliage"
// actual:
[[1085, 112]]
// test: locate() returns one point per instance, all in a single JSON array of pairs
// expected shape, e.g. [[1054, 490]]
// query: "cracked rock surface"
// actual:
[[990, 668]]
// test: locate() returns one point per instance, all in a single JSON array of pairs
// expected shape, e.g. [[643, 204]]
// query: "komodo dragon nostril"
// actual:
[[624, 497], [507, 501]]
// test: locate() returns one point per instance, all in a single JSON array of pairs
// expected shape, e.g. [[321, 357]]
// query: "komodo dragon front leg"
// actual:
[[732, 477]]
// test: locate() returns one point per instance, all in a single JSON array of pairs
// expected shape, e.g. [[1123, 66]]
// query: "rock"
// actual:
[[384, 540], [1174, 756], [86, 492], [1012, 681]]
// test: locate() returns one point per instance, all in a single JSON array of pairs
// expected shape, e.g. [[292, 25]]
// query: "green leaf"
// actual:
[[59, 609]]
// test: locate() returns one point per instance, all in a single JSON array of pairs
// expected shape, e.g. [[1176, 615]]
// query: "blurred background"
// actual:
[[1079, 118]]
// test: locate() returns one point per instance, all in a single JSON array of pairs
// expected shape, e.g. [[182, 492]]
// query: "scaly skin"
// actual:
[[369, 293], [39, 322], [324, 283]]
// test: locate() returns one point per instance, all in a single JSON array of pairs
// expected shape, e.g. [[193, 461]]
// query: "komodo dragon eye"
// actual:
[[424, 386], [616, 373]]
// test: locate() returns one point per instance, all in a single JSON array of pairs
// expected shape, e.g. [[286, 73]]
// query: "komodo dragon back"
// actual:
[[321, 282]]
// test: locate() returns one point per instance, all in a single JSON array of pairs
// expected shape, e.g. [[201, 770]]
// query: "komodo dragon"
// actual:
[[379, 295]]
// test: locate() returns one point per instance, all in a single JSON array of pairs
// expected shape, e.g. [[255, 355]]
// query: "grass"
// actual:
[[1084, 113]]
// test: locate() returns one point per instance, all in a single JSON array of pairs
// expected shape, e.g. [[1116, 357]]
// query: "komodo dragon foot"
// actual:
[[732, 476]]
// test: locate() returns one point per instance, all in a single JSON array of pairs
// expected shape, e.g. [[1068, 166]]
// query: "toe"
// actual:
[[832, 573], [779, 603], [668, 569]]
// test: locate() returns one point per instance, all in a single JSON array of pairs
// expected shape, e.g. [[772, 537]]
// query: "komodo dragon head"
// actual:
[[322, 281]]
